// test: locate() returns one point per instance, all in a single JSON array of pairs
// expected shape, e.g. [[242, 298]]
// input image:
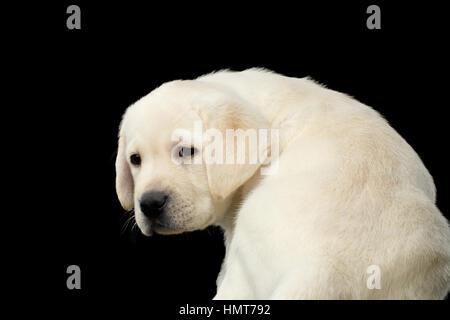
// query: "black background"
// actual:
[[83, 80]]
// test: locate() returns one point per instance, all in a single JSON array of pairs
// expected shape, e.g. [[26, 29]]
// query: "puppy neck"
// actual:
[[228, 218]]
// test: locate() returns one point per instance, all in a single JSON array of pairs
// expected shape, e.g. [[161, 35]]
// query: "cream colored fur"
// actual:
[[349, 191]]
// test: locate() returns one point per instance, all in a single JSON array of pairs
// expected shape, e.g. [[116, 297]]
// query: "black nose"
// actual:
[[153, 203]]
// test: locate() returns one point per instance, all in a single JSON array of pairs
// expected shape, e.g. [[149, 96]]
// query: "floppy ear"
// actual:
[[124, 179], [224, 178]]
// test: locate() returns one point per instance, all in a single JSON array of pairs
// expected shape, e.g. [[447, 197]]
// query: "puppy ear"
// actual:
[[226, 177], [124, 179]]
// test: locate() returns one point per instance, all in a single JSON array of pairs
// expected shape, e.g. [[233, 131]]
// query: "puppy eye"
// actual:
[[135, 159], [186, 152]]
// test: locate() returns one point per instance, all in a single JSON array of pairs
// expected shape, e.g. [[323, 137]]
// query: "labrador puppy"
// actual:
[[345, 210]]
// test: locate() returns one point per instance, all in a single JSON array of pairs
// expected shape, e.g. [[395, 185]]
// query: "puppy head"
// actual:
[[169, 194]]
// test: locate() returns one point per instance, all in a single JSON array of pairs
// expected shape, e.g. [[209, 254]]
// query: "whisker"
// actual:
[[128, 221], [134, 227]]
